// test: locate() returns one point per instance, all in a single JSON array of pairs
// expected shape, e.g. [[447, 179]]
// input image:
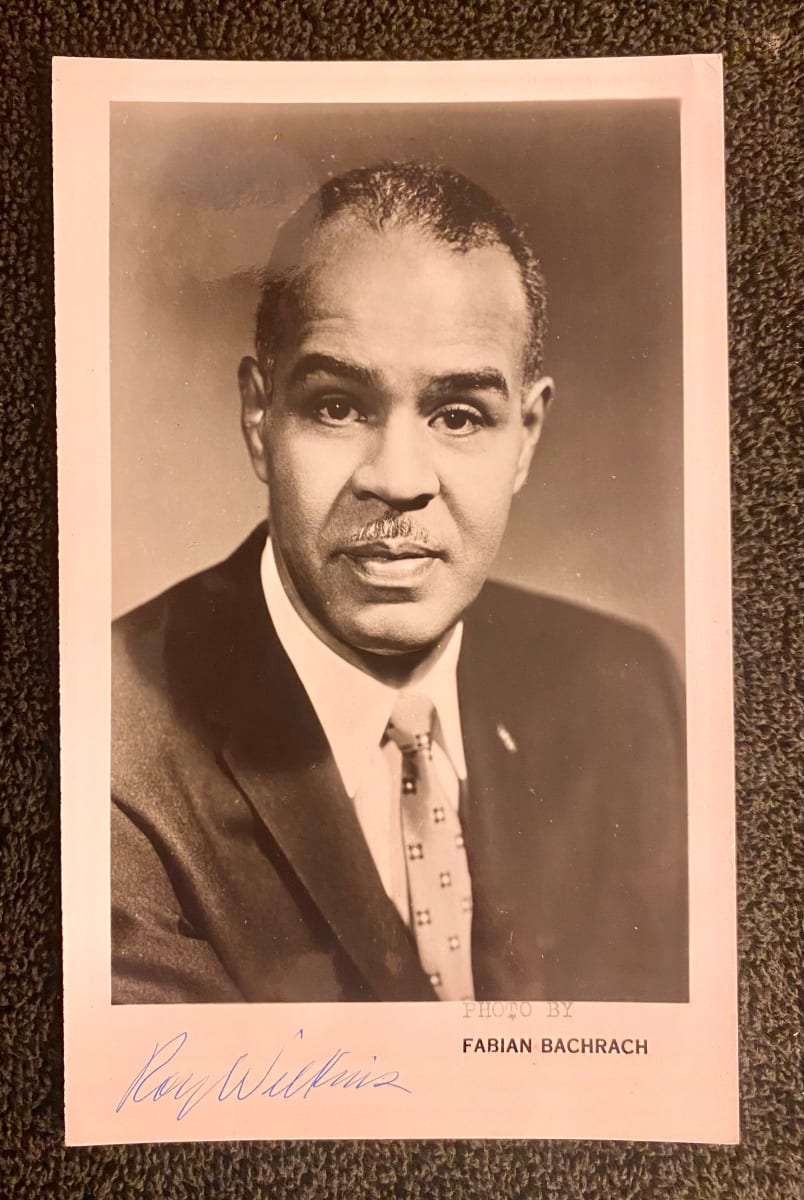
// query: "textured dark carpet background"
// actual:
[[762, 44]]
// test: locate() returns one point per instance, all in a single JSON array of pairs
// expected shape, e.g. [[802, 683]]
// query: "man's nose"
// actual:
[[398, 468]]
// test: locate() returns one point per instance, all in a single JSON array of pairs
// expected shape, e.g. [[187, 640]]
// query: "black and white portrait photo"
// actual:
[[397, 772], [397, 665]]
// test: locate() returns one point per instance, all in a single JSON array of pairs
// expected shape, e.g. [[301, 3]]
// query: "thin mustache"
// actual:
[[389, 529]]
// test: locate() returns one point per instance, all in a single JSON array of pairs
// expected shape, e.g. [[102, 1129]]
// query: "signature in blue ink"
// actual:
[[163, 1077]]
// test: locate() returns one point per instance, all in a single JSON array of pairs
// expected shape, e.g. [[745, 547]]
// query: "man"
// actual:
[[344, 766]]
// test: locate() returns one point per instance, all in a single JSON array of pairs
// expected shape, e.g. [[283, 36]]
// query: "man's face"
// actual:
[[393, 430]]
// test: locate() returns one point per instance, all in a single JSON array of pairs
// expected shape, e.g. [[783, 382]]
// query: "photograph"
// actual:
[[395, 632], [392, 746]]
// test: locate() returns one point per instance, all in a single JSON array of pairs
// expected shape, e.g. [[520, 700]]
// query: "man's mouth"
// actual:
[[388, 561], [387, 548]]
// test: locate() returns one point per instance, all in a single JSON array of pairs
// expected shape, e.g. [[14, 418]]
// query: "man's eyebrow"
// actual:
[[312, 364], [483, 380], [489, 380]]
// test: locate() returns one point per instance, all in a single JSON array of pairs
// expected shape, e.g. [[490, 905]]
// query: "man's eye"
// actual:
[[337, 411], [459, 420]]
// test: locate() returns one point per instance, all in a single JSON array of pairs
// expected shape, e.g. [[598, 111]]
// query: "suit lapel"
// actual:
[[312, 820], [276, 749]]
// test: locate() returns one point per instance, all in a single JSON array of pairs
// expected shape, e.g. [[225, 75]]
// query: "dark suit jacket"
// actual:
[[239, 871]]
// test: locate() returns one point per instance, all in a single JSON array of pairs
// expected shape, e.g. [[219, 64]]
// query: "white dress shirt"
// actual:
[[354, 709]]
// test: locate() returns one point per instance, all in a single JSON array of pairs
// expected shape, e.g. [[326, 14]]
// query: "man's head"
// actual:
[[395, 401]]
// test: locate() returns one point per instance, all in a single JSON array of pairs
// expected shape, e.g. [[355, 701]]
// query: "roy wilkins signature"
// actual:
[[164, 1076]]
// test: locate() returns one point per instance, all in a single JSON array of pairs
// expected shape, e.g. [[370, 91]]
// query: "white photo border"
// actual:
[[685, 1088]]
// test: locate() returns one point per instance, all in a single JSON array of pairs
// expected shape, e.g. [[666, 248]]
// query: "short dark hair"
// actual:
[[435, 199]]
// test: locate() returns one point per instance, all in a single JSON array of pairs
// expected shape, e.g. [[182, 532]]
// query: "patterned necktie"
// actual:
[[439, 886]]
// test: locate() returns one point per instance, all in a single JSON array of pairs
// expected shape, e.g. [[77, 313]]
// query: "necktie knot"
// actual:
[[411, 723]]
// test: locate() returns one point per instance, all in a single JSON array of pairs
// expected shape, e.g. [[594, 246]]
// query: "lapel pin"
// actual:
[[506, 739]]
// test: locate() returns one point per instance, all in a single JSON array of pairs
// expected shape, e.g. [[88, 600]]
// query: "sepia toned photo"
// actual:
[[394, 601], [349, 761]]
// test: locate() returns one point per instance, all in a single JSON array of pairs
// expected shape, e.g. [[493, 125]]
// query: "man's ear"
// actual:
[[535, 403], [255, 401]]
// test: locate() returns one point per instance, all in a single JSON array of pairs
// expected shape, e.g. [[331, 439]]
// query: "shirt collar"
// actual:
[[353, 707]]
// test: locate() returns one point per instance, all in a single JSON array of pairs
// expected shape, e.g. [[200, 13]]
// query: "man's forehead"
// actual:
[[400, 289], [348, 238]]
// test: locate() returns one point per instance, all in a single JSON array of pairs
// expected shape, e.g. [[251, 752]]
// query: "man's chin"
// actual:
[[393, 637], [401, 644]]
